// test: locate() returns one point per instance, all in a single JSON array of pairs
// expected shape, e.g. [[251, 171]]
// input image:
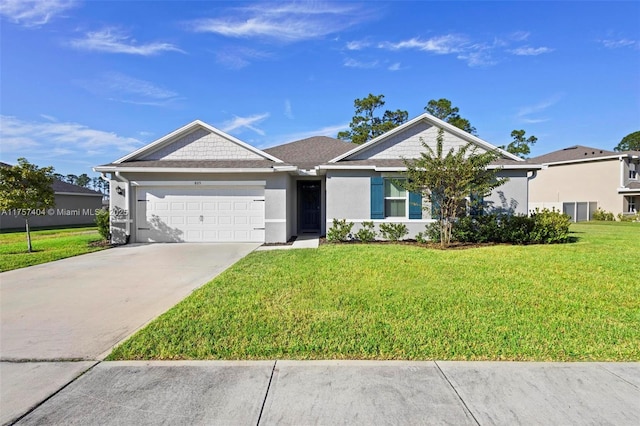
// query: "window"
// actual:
[[632, 205], [395, 199], [633, 174]]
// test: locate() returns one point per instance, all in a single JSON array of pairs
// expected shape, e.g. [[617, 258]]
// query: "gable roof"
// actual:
[[435, 122], [185, 130], [311, 152], [575, 153]]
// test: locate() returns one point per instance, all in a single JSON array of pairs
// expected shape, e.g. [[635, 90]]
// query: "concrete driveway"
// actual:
[[80, 308]]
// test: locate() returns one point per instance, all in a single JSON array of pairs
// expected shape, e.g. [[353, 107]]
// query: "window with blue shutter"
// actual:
[[377, 197], [415, 205]]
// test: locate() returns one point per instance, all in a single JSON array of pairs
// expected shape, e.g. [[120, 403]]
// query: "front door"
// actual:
[[309, 206]]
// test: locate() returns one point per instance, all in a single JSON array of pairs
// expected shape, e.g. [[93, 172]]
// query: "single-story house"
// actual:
[[579, 179], [74, 205], [201, 184]]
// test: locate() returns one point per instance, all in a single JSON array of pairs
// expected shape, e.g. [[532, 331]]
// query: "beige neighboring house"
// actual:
[[577, 180], [75, 205]]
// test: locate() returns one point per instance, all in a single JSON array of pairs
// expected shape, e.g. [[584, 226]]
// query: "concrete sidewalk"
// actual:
[[347, 392]]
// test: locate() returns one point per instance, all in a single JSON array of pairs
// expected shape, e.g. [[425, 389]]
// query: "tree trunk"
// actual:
[[29, 248]]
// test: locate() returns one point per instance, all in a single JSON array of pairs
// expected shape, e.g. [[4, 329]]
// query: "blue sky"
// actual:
[[83, 83]]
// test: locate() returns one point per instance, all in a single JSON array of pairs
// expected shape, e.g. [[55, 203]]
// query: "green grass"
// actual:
[[48, 245], [569, 302]]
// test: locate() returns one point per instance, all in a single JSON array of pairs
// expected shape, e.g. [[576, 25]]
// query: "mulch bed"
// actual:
[[436, 246]]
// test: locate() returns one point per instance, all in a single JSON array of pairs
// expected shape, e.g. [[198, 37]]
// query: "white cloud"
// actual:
[[530, 51], [289, 22], [34, 13], [357, 45], [60, 138], [519, 35], [395, 67], [120, 87], [288, 112], [353, 63], [524, 112], [112, 40], [450, 43], [245, 123], [238, 57], [618, 43]]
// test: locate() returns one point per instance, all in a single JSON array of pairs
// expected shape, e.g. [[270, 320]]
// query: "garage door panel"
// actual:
[[203, 214]]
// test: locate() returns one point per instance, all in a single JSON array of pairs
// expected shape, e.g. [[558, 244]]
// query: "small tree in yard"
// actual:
[[26, 189], [447, 179]]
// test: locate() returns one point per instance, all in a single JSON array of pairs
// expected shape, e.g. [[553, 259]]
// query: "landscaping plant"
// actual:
[[393, 231], [367, 232], [340, 231]]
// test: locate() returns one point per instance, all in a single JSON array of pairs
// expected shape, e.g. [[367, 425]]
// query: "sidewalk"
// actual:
[[347, 392]]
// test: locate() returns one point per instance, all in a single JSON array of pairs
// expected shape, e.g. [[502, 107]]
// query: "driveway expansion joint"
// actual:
[[266, 394], [457, 394]]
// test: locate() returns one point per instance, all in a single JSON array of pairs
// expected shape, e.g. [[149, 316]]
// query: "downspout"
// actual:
[[533, 175], [127, 224]]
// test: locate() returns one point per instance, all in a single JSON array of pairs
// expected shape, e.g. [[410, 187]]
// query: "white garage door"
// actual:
[[174, 214]]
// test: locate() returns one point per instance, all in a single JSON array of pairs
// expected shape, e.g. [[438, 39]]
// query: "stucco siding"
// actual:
[[69, 210], [512, 196], [408, 144], [589, 181], [202, 145], [348, 194]]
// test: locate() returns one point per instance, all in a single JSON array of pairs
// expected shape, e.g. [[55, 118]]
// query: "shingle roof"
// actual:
[[310, 152], [198, 164], [60, 186], [400, 162], [572, 153]]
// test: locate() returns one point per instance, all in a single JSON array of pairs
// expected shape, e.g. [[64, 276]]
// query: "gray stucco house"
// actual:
[[201, 184]]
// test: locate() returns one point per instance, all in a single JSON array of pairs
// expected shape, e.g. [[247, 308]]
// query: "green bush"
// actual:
[[516, 229], [366, 233], [340, 231], [600, 214], [102, 222], [431, 233], [550, 226], [629, 217], [393, 231]]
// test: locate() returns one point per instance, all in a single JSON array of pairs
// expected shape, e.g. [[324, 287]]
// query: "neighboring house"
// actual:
[[201, 184], [577, 180], [74, 205]]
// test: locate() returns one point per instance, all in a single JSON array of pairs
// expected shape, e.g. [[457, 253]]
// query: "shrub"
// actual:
[[516, 229], [102, 222], [600, 214], [340, 231], [366, 233], [629, 217], [393, 231], [550, 226]]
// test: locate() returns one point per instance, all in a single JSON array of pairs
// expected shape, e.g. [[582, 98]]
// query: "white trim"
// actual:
[[436, 122], [404, 169], [199, 183], [78, 193], [275, 220], [628, 191], [189, 128], [183, 170]]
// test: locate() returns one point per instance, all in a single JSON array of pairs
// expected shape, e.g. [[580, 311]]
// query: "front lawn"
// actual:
[[568, 302], [48, 245]]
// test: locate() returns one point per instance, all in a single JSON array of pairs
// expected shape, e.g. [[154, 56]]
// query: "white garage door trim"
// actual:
[[200, 214]]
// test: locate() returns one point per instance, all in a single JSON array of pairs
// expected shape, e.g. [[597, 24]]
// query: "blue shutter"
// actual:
[[436, 196], [476, 204], [377, 197], [415, 205]]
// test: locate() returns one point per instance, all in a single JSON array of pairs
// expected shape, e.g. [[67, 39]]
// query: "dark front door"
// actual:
[[309, 206]]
